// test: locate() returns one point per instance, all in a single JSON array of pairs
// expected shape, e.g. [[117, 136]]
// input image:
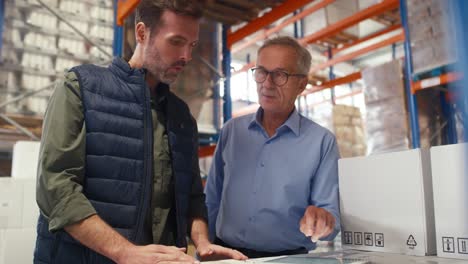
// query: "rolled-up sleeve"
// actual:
[[62, 158]]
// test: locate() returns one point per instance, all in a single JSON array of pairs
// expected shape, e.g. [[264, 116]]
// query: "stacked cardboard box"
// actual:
[[386, 119], [349, 131], [347, 125], [430, 25]]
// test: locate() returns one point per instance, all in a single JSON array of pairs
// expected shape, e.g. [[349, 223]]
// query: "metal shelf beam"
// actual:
[[282, 25], [366, 38], [276, 13], [360, 16], [124, 8], [332, 83], [435, 81], [398, 38]]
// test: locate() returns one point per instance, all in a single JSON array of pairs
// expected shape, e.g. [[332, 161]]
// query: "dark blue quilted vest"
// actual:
[[119, 173]]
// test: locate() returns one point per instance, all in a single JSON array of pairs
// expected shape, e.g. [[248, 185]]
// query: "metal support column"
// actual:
[[216, 88], [118, 35], [460, 8], [302, 33], [297, 28], [2, 22], [227, 106], [412, 103], [331, 76]]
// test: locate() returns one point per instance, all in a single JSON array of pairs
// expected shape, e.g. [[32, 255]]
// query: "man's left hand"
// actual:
[[317, 223], [208, 252]]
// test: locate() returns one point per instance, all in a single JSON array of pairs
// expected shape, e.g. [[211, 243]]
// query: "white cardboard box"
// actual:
[[11, 203], [386, 203], [30, 209], [450, 177], [17, 245], [25, 159], [18, 207]]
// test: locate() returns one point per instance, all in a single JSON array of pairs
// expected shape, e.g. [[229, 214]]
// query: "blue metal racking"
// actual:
[[118, 34], [460, 8], [412, 103], [2, 12], [227, 105]]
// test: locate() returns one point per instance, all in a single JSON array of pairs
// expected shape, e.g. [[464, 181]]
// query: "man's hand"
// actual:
[[317, 223], [154, 254], [208, 252]]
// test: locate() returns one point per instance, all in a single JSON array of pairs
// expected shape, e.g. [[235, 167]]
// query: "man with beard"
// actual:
[[273, 184], [118, 171]]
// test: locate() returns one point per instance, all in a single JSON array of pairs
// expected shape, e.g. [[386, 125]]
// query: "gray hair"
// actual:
[[303, 56]]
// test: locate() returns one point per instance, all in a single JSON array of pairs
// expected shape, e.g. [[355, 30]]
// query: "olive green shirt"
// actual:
[[62, 166]]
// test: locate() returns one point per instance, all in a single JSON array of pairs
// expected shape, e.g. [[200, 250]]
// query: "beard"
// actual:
[[161, 70]]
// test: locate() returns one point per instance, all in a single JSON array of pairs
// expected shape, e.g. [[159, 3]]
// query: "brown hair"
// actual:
[[150, 11], [303, 56]]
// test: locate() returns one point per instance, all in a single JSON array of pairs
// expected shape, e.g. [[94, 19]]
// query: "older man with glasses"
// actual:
[[273, 185]]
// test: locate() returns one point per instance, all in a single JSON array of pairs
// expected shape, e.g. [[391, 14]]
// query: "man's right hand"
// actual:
[[94, 233], [152, 254]]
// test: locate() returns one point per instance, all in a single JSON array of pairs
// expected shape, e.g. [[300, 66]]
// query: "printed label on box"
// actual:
[[463, 245], [379, 240], [358, 238], [368, 239], [448, 244], [348, 238]]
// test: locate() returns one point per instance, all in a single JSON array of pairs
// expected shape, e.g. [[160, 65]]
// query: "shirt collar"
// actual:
[[159, 99], [292, 123]]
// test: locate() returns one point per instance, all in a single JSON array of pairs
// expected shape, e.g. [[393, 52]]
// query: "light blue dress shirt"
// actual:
[[258, 187]]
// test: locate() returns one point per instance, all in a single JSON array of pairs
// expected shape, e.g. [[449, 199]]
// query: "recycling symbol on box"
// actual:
[[411, 242]]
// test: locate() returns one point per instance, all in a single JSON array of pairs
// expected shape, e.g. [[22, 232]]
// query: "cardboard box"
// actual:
[[386, 203], [17, 246], [25, 152], [18, 207], [30, 209], [450, 178], [11, 203]]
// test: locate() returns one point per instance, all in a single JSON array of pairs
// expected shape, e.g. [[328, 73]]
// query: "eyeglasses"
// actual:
[[277, 76]]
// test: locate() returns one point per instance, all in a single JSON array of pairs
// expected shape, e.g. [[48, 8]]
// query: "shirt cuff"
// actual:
[[69, 211]]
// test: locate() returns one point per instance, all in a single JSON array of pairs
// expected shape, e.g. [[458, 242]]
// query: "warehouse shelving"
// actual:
[[27, 27], [37, 46], [35, 29], [397, 33], [402, 37], [427, 76], [336, 28]]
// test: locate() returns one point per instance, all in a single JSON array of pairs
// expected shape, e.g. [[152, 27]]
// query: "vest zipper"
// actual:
[[148, 146]]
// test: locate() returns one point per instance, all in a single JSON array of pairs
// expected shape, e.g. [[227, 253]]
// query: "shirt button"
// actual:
[[262, 164]]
